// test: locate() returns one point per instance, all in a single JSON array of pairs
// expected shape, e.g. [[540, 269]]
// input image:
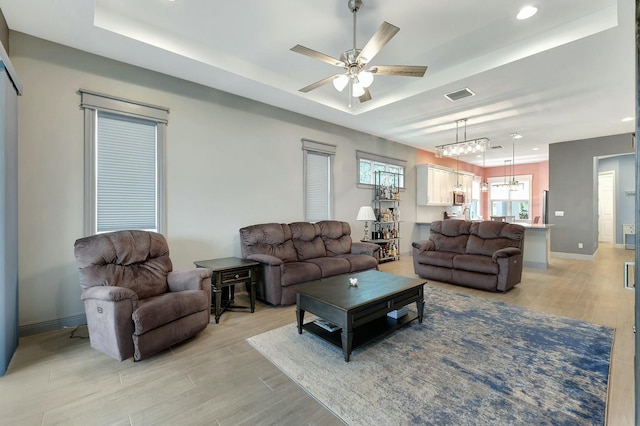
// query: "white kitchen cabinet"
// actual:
[[434, 186]]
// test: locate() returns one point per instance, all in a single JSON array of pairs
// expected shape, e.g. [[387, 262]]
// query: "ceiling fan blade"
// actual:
[[402, 70], [317, 55], [366, 97], [318, 84], [377, 42]]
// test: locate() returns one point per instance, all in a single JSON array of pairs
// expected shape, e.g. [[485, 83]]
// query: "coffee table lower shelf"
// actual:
[[364, 333]]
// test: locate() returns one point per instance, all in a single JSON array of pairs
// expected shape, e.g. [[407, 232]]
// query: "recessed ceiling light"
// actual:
[[527, 12], [516, 135], [535, 149], [628, 119]]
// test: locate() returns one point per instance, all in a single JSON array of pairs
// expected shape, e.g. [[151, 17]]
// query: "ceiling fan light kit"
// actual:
[[355, 61]]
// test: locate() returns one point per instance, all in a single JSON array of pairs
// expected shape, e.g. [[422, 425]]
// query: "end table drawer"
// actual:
[[239, 275]]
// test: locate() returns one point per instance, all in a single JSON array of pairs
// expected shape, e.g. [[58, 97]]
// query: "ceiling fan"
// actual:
[[355, 61]]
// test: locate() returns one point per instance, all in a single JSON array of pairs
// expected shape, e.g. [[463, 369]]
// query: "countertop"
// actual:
[[531, 226]]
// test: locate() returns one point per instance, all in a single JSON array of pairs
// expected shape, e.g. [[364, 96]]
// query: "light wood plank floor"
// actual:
[[219, 379]]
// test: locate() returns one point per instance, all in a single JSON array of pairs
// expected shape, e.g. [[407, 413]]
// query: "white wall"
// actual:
[[231, 162]]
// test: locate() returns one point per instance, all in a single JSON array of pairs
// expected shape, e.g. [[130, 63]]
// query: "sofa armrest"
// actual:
[[360, 247], [109, 294], [421, 246], [266, 259], [506, 252], [190, 279], [270, 282]]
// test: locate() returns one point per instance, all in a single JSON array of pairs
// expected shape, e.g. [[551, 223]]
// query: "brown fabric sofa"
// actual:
[[485, 255], [295, 253], [136, 305]]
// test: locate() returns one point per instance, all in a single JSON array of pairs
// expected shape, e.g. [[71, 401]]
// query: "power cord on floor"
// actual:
[[73, 336]]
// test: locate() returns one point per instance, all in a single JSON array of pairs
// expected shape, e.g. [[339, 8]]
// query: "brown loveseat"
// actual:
[[293, 254], [484, 255]]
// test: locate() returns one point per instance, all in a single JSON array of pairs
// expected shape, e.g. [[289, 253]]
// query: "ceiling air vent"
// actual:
[[496, 147], [459, 94]]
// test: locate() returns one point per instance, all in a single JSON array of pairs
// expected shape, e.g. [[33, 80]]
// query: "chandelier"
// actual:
[[467, 146]]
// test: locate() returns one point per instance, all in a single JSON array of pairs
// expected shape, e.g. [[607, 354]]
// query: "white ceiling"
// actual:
[[565, 74]]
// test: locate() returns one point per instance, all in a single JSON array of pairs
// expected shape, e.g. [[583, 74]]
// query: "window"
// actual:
[[318, 180], [505, 202], [369, 163], [124, 159]]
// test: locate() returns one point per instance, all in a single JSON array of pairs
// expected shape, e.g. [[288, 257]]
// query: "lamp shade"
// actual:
[[358, 90], [340, 82], [365, 78], [366, 213]]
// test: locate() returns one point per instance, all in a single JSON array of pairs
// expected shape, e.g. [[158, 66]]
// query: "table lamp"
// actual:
[[366, 213]]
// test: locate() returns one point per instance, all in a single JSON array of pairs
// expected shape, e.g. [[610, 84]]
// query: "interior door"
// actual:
[[606, 207]]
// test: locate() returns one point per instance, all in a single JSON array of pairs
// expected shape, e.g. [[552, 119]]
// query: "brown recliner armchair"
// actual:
[[135, 304]]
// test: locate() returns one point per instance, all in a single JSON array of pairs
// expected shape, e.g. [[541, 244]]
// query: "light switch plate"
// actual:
[[559, 213]]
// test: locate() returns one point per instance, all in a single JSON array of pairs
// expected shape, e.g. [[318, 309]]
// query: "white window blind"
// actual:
[[317, 190], [318, 180], [126, 173], [124, 164]]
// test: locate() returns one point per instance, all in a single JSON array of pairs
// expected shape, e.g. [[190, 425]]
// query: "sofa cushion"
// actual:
[[475, 263], [331, 265], [436, 258], [450, 235], [273, 239], [360, 262], [487, 237], [156, 311], [137, 260], [336, 237], [307, 240], [299, 272]]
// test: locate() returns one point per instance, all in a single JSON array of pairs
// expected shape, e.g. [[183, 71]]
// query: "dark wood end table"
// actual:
[[227, 272], [360, 312]]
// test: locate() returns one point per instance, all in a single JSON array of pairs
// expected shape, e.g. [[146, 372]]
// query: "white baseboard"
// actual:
[[572, 256]]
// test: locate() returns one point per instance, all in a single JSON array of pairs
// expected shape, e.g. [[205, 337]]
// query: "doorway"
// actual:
[[606, 206]]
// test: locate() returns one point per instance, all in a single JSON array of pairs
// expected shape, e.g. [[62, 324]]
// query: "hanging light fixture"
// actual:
[[484, 185], [467, 146], [457, 188], [514, 185]]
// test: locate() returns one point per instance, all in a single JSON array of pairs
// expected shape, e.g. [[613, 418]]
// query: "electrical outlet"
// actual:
[[559, 212], [580, 245]]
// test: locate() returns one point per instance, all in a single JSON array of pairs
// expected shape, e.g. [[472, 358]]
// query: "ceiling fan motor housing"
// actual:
[[354, 5]]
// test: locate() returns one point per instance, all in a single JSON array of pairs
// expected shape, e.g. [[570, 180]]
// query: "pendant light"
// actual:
[[484, 185], [457, 187], [514, 185]]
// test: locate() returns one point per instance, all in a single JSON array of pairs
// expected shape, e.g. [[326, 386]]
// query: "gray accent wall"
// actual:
[[230, 162], [573, 189]]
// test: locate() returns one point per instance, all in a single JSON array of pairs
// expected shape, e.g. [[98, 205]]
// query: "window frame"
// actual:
[[91, 103], [500, 181], [380, 161]]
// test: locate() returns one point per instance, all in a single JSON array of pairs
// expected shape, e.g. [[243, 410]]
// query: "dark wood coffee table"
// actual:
[[360, 312]]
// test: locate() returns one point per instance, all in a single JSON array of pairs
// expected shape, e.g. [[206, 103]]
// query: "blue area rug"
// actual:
[[471, 362]]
